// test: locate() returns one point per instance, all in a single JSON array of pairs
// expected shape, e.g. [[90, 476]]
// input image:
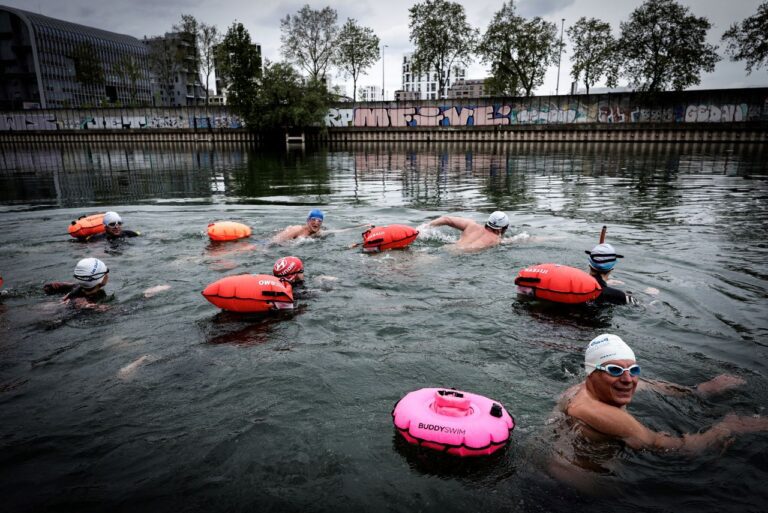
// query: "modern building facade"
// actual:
[[472, 88], [426, 84], [369, 93], [50, 63], [175, 64]]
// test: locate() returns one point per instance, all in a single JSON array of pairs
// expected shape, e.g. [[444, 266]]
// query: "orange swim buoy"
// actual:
[[558, 283], [394, 236], [248, 293], [228, 230], [84, 226]]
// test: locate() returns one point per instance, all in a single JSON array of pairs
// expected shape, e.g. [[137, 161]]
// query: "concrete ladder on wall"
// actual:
[[294, 139]]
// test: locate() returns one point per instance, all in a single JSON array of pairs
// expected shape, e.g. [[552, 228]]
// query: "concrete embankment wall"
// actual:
[[730, 115]]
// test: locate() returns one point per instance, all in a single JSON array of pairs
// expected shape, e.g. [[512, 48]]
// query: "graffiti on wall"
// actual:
[[543, 112], [73, 120], [608, 109]]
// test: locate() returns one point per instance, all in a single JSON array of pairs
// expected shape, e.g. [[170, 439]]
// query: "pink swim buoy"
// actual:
[[452, 421]]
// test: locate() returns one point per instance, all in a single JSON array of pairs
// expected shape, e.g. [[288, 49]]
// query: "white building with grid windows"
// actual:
[[426, 84]]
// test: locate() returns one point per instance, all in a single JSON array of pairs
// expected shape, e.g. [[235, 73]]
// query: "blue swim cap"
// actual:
[[315, 213], [602, 257]]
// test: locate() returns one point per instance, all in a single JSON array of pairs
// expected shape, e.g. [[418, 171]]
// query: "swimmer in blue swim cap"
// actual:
[[599, 403], [602, 259], [312, 228]]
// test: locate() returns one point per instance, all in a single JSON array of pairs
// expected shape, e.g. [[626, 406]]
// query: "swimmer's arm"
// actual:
[[716, 385], [356, 227], [58, 287], [620, 424], [454, 222], [289, 233]]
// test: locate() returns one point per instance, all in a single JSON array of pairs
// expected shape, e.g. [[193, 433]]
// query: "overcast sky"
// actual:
[[389, 20]]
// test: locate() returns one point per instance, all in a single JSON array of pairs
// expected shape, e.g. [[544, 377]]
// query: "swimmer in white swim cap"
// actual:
[[597, 407], [475, 236], [91, 275]]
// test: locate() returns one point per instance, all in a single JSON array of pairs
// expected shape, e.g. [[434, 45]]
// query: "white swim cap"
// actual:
[[497, 221], [604, 348], [90, 272], [112, 217]]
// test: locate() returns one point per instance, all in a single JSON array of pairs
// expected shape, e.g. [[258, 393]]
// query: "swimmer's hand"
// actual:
[[743, 424], [354, 245]]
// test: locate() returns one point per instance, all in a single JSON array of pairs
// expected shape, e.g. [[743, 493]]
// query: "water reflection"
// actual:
[[549, 177]]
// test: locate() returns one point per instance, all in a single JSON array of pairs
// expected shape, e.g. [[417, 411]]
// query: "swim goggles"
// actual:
[[91, 277], [115, 223], [618, 370]]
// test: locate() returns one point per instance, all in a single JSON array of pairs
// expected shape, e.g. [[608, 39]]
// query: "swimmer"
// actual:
[[91, 275], [602, 260], [598, 406], [113, 229], [475, 236], [312, 228], [289, 269]]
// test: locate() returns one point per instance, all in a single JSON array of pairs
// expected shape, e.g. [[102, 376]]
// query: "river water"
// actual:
[[162, 403]]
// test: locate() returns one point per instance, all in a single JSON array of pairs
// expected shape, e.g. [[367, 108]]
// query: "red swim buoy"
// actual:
[[84, 226], [247, 293], [558, 283], [394, 236], [228, 230]]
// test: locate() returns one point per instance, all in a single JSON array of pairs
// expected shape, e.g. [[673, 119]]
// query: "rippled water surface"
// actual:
[[163, 403]]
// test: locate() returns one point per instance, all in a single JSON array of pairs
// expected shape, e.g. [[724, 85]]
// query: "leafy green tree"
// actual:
[[663, 45], [208, 38], [594, 51], [286, 101], [130, 71], [357, 48], [442, 38], [748, 40], [239, 65], [88, 69], [308, 38], [519, 51]]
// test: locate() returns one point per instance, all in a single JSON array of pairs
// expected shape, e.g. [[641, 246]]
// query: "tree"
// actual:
[[130, 71], [239, 65], [518, 50], [286, 101], [594, 51], [663, 45], [308, 39], [748, 41], [442, 38], [207, 40], [357, 48], [88, 69]]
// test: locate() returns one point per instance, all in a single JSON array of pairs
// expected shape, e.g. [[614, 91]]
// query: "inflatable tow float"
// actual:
[[250, 293], [393, 236], [453, 421], [85, 226], [228, 230], [558, 283]]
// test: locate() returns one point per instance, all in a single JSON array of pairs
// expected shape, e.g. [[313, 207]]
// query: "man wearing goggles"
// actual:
[[599, 404], [91, 276], [113, 229], [312, 228]]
